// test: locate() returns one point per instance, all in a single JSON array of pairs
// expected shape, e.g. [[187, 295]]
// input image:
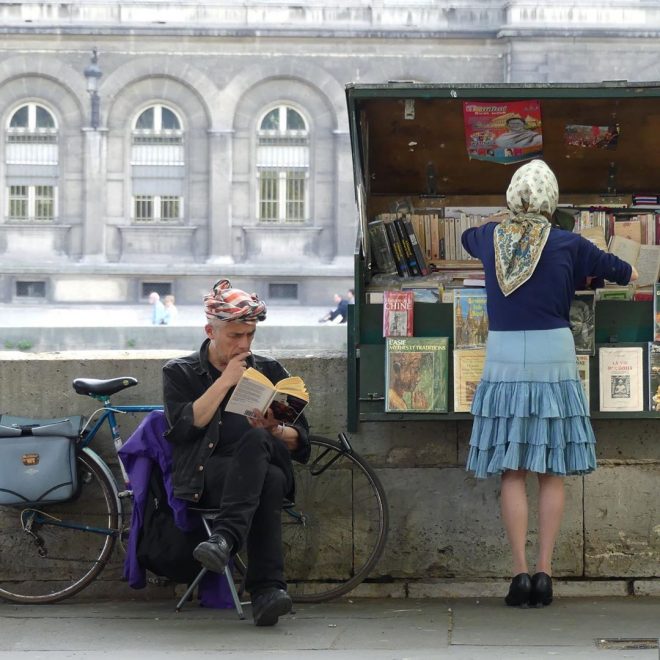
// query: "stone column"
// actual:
[[346, 212], [220, 249], [94, 175]]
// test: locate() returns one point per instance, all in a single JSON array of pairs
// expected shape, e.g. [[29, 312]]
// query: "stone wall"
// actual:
[[445, 535]]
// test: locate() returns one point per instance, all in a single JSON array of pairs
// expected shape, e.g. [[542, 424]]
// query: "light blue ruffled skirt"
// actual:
[[530, 412]]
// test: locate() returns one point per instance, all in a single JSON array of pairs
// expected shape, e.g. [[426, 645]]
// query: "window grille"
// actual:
[[156, 209], [282, 166], [32, 204]]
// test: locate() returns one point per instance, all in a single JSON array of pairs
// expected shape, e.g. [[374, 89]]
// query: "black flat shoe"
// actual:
[[519, 591], [269, 606], [541, 590], [213, 554]]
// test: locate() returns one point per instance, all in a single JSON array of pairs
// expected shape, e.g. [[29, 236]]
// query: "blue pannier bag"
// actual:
[[38, 459]]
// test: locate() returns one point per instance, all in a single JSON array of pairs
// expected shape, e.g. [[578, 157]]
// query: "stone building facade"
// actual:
[[213, 138]]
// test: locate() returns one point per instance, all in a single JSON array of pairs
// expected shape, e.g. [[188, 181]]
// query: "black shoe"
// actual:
[[269, 605], [213, 554], [541, 590], [519, 591]]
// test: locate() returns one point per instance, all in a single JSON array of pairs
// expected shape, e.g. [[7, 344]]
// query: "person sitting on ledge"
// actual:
[[238, 465]]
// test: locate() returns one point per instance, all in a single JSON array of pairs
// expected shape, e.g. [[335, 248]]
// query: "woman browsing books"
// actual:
[[530, 412]]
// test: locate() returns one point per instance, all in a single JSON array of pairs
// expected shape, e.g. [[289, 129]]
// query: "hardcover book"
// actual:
[[470, 318], [406, 244], [416, 374], [583, 322], [654, 376], [621, 378], [397, 249], [381, 252], [468, 368], [583, 374], [286, 399], [398, 309]]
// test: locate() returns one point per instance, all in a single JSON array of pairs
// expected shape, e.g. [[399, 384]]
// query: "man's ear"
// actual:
[[208, 329]]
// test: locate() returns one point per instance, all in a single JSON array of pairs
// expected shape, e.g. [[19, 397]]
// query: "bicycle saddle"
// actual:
[[92, 386]]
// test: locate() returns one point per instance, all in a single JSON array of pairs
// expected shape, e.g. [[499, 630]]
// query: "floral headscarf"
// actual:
[[229, 304], [519, 241]]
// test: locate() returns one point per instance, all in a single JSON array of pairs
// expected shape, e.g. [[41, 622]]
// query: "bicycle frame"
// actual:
[[108, 412]]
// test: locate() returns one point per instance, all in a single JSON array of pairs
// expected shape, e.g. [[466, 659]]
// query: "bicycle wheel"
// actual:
[[336, 532], [50, 552]]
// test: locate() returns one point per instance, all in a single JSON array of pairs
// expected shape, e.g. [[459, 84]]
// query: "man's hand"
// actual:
[[206, 406], [267, 421], [234, 370]]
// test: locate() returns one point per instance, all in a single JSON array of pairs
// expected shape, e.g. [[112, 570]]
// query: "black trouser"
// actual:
[[249, 487]]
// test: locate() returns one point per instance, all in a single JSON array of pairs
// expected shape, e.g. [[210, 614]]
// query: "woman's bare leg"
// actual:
[[551, 510], [514, 515]]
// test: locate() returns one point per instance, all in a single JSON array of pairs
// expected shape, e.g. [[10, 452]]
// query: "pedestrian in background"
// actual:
[[157, 309]]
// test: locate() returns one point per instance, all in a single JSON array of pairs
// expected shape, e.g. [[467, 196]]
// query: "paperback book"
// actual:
[[470, 318], [645, 258], [287, 398], [583, 374], [621, 378], [424, 292], [398, 309], [583, 322], [656, 312], [468, 368], [654, 376], [416, 374]]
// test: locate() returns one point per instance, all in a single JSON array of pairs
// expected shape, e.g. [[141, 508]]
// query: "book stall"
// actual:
[[430, 161]]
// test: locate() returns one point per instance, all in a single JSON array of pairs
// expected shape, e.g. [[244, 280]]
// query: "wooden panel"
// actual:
[[427, 154]]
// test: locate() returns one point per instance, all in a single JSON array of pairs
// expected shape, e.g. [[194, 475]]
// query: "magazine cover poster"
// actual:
[[503, 131], [583, 375], [416, 373], [470, 318], [621, 379], [656, 312]]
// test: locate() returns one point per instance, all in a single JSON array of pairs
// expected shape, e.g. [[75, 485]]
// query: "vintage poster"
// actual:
[[468, 368], [503, 131], [416, 374], [470, 318], [583, 322], [621, 379], [398, 309], [591, 137]]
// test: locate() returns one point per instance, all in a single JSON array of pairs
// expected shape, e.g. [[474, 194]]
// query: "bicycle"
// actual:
[[333, 535]]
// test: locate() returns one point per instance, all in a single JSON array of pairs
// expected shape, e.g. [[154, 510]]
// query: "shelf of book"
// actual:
[[625, 322]]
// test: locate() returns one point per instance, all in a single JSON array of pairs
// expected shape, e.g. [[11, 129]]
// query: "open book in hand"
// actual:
[[286, 398]]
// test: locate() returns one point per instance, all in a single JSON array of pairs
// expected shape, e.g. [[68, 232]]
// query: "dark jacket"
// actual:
[[185, 379]]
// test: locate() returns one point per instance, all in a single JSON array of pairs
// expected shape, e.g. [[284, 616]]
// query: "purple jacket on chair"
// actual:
[[145, 447]]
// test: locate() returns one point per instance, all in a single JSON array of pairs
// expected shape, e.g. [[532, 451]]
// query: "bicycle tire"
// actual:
[[346, 520], [74, 557]]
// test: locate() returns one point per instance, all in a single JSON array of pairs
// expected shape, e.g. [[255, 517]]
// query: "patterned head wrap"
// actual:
[[229, 304], [519, 241]]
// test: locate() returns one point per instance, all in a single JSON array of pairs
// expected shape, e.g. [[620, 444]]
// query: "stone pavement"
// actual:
[[351, 629]]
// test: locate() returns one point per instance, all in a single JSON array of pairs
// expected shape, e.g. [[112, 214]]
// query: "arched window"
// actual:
[[282, 166], [157, 165], [31, 160]]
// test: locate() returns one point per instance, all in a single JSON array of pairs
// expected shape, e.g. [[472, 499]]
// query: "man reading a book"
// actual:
[[239, 465]]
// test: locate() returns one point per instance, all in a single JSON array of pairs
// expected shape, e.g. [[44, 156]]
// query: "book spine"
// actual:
[[419, 255], [397, 250], [380, 248], [408, 251]]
